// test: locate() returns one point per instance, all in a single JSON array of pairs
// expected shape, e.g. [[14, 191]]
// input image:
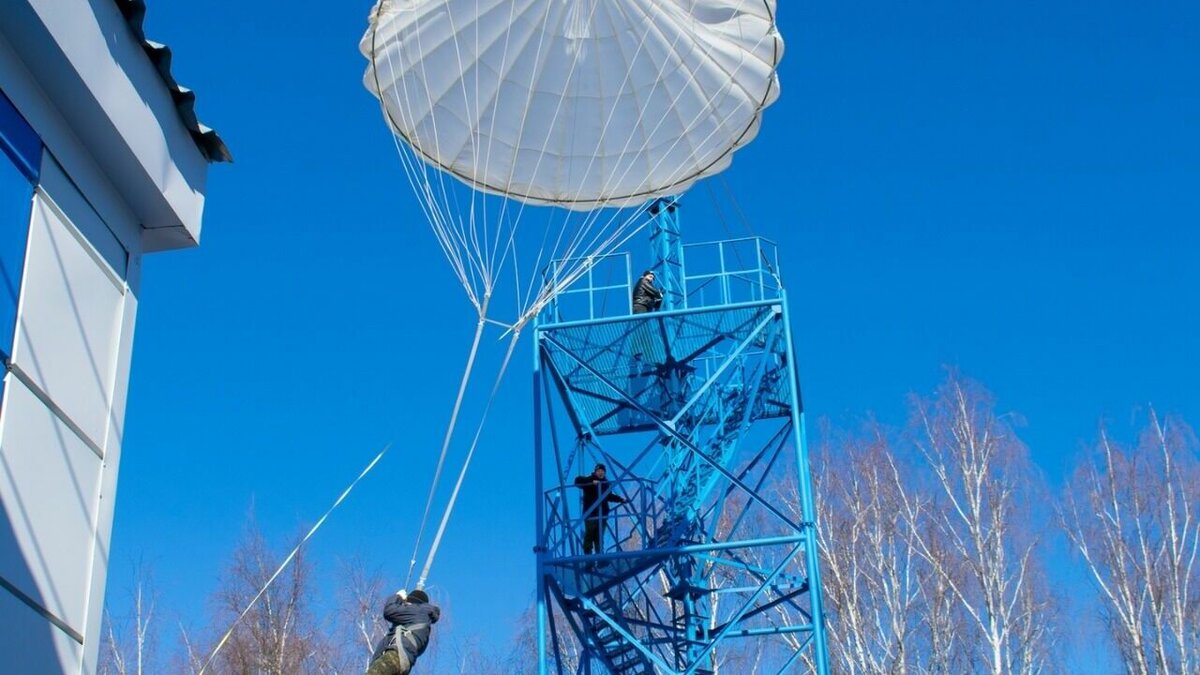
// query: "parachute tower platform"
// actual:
[[695, 410]]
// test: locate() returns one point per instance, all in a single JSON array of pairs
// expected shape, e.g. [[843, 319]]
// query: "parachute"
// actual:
[[593, 108], [575, 103]]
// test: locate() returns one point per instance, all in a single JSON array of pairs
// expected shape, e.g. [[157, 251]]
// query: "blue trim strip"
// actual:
[[19, 141]]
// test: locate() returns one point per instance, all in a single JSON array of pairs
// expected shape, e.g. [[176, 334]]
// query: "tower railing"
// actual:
[[627, 525], [603, 291], [715, 273], [731, 271]]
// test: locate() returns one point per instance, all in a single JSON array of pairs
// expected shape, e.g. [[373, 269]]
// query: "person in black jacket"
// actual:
[[596, 498], [411, 617], [646, 296]]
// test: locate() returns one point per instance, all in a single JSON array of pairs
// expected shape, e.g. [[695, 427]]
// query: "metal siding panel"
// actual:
[[112, 463], [49, 487], [30, 645], [79, 211], [69, 323]]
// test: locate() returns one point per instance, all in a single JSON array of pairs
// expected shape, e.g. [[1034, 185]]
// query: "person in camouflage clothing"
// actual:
[[411, 617]]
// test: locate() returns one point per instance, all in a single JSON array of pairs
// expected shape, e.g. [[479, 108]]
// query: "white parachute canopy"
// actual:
[[575, 103]]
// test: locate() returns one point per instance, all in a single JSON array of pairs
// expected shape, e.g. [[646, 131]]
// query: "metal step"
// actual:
[[621, 657]]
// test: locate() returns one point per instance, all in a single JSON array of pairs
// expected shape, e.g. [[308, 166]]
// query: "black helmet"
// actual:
[[418, 596]]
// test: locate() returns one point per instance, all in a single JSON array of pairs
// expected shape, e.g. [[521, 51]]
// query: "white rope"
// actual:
[[437, 474], [437, 540], [291, 556]]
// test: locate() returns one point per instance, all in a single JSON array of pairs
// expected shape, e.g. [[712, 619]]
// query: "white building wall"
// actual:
[[119, 176]]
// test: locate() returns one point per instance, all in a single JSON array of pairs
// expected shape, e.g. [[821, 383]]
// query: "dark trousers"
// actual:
[[643, 335], [592, 527]]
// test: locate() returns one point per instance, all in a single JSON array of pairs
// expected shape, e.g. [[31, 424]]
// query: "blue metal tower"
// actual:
[[696, 412]]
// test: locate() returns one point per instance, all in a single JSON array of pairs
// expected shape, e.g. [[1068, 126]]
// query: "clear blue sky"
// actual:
[[1010, 188]]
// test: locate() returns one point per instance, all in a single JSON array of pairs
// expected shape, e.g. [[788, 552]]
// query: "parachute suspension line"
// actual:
[[449, 229], [581, 266], [542, 153], [549, 291], [725, 225], [454, 236], [462, 474], [616, 237], [510, 245], [737, 207], [291, 556], [492, 131], [441, 178], [434, 215], [486, 264], [483, 257], [473, 231], [605, 245], [437, 474], [589, 222]]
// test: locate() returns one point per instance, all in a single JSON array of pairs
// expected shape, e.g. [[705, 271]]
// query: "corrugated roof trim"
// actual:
[[207, 140]]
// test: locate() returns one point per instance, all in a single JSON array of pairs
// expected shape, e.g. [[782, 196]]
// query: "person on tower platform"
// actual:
[[646, 296], [411, 617], [597, 496]]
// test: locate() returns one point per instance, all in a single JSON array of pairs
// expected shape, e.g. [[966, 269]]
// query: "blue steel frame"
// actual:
[[697, 412], [666, 237]]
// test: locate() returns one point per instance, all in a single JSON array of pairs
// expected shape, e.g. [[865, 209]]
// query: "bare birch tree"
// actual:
[[887, 609], [1131, 514], [279, 635], [868, 570], [981, 484], [130, 641], [359, 613]]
